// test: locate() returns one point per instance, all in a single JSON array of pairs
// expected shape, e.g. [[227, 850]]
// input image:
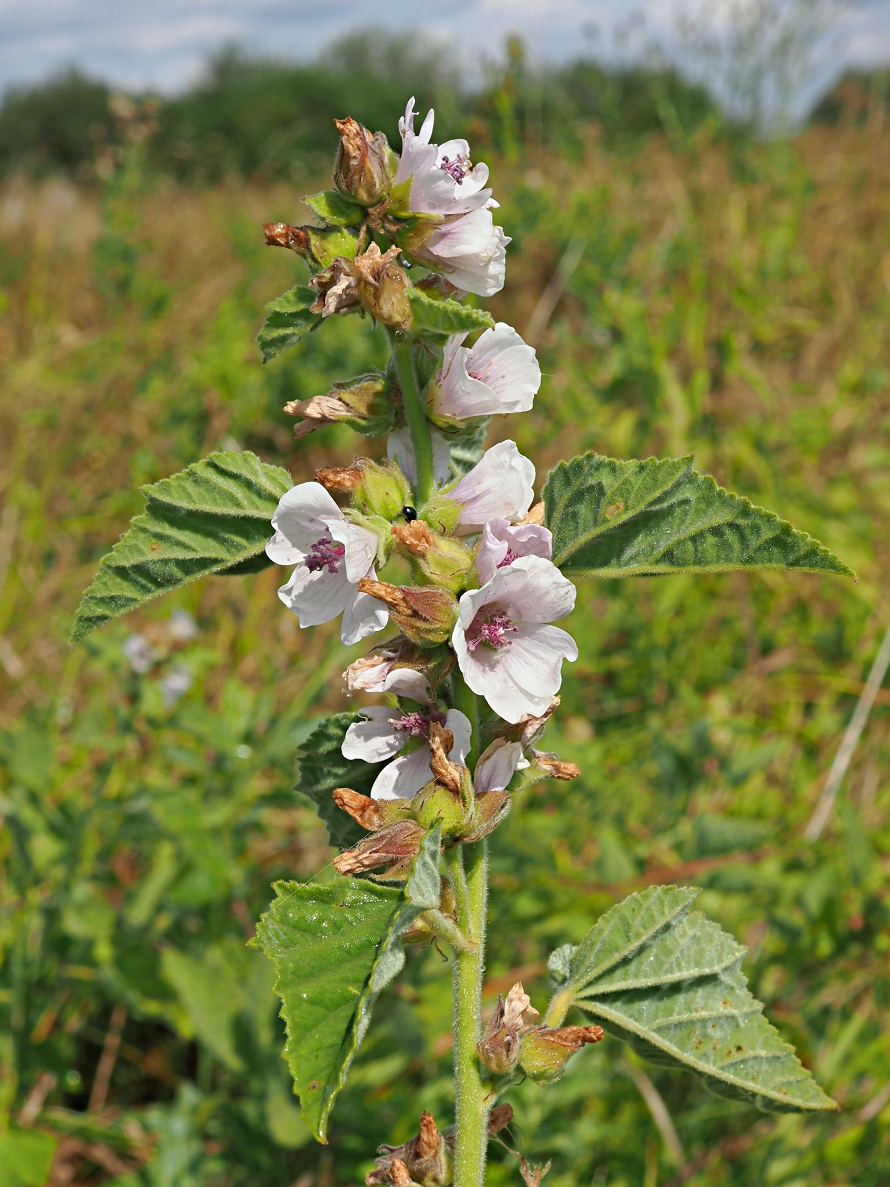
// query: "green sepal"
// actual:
[[622, 519], [669, 981], [335, 948], [332, 207], [331, 243], [214, 517], [289, 318]]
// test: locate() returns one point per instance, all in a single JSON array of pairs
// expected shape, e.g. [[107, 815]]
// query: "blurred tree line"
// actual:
[[256, 117]]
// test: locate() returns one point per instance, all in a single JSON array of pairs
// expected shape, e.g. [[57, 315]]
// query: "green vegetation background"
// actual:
[[731, 301]]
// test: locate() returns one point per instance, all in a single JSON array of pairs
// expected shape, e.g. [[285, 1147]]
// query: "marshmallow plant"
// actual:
[[464, 664]]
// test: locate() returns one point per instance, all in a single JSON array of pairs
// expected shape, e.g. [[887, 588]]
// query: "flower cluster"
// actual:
[[479, 613]]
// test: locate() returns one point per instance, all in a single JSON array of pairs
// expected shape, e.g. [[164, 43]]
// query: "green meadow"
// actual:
[[690, 292]]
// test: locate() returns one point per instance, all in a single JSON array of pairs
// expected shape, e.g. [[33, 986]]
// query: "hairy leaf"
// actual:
[[213, 517], [323, 768], [335, 947], [670, 981], [331, 206], [445, 315], [467, 449], [625, 519], [289, 319]]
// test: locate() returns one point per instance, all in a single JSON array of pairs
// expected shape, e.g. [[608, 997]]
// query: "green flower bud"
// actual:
[[543, 1052], [319, 245], [437, 560], [441, 513], [365, 164], [382, 287], [381, 490], [365, 404]]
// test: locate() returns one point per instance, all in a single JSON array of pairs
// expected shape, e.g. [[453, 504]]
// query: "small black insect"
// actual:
[[410, 514]]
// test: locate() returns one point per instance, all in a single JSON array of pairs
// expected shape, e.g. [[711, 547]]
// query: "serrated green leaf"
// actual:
[[323, 767], [214, 517], [669, 981], [335, 947], [624, 519], [289, 319], [445, 315], [331, 206]]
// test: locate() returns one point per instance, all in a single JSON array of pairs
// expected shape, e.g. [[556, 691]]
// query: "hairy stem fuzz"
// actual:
[[402, 348]]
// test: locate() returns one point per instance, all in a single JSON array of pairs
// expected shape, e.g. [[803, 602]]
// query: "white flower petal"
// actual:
[[360, 545], [404, 776], [280, 551], [362, 616], [376, 739], [504, 363], [316, 597], [498, 487], [471, 250], [303, 514], [460, 726], [496, 767], [405, 682]]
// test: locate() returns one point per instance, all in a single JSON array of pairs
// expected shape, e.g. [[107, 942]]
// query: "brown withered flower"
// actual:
[[337, 288], [424, 614], [365, 163], [339, 478], [426, 1158], [361, 808], [499, 1045], [284, 235], [393, 847], [382, 286]]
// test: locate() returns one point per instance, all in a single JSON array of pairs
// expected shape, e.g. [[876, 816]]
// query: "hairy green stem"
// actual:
[[446, 929], [415, 413], [473, 1097]]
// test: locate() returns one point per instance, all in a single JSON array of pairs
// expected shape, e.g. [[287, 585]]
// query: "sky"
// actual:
[[163, 44]]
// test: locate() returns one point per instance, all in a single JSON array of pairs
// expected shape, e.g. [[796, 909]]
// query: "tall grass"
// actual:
[[731, 301]]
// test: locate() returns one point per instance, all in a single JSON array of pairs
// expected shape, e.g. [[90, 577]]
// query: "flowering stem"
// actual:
[[469, 864], [415, 413]]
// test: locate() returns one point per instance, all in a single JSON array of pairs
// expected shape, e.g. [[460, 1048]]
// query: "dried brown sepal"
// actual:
[[529, 728], [317, 412], [284, 235], [499, 1118], [414, 538], [393, 847], [339, 478], [532, 1175], [535, 515], [361, 808], [554, 767], [445, 771], [425, 615]]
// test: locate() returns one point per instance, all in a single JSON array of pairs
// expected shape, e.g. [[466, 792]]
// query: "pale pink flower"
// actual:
[[331, 556], [386, 732], [502, 544], [443, 179], [505, 652], [498, 374], [498, 487], [470, 251]]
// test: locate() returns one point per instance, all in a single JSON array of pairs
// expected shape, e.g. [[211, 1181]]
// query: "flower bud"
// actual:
[[426, 615], [441, 513], [425, 1159], [490, 808], [382, 287], [365, 164], [544, 1052], [382, 489], [393, 847], [365, 404], [499, 1046], [438, 560]]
